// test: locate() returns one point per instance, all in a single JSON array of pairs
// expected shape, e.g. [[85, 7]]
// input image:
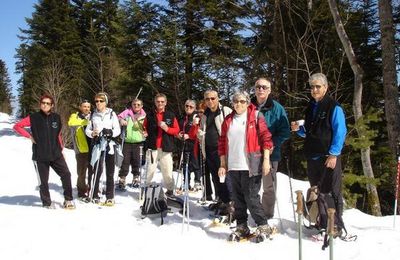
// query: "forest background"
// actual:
[[72, 49]]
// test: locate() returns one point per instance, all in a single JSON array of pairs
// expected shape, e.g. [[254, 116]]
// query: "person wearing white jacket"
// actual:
[[103, 127]]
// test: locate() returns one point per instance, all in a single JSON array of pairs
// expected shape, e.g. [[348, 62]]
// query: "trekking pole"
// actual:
[[203, 178], [185, 214], [140, 90], [300, 221], [397, 185], [331, 230], [179, 167], [143, 173], [93, 181], [291, 188]]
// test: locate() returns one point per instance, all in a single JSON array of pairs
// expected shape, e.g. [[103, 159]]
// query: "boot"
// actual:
[[263, 232], [242, 231]]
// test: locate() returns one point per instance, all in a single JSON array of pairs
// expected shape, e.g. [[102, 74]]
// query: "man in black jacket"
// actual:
[[47, 150]]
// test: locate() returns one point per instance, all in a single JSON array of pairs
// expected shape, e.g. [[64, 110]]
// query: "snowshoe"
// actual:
[[108, 203], [135, 183], [263, 232], [242, 232], [68, 204]]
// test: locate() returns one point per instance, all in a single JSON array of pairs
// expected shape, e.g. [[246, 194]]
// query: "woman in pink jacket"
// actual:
[[244, 148]]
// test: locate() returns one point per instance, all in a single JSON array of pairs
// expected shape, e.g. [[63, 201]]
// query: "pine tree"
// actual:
[[5, 89]]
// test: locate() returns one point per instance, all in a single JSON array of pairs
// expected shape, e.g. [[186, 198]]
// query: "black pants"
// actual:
[[245, 195], [206, 176], [60, 167], [82, 166], [132, 158], [329, 180], [110, 168], [193, 166], [213, 163]]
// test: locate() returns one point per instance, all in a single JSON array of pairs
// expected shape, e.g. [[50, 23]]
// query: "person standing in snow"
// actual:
[[324, 131], [161, 127], [189, 124], [131, 120], [244, 148], [103, 127], [47, 146], [77, 123], [278, 125]]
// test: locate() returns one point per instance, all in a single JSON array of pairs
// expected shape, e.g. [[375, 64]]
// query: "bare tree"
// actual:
[[391, 91], [357, 106]]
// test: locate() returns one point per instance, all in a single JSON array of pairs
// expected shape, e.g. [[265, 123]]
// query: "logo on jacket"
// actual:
[[168, 121], [54, 125]]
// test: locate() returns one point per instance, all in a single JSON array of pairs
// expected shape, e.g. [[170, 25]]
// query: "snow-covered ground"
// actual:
[[28, 231]]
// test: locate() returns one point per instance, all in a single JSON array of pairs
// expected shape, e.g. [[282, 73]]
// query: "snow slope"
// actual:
[[28, 231]]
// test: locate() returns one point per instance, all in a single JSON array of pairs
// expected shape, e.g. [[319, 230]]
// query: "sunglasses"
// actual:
[[46, 103], [189, 106], [210, 98], [239, 101], [99, 101], [315, 86], [264, 87]]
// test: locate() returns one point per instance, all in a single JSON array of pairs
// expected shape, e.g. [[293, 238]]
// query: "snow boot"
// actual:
[[263, 232], [242, 231], [68, 204], [122, 183]]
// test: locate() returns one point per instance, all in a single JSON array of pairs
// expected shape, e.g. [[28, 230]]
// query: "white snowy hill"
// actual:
[[28, 231]]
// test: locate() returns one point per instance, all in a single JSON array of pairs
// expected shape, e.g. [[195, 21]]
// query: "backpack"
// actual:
[[154, 203], [316, 209]]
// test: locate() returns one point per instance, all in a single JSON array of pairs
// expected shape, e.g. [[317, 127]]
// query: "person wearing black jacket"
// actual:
[[47, 148], [188, 125]]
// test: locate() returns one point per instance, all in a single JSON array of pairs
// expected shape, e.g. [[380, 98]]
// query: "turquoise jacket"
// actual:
[[277, 122]]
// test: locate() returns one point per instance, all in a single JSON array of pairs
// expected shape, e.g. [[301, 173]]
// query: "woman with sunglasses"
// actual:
[[244, 148], [47, 148], [189, 125], [103, 124]]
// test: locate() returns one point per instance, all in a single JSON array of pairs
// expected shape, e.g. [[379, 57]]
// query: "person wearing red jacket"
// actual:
[[47, 146], [244, 148]]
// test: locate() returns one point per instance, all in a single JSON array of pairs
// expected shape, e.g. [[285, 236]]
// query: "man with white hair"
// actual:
[[278, 125], [324, 131]]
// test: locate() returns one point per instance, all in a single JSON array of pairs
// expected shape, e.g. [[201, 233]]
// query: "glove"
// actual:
[[107, 132]]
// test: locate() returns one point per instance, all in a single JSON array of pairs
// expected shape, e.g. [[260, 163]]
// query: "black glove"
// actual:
[[107, 132]]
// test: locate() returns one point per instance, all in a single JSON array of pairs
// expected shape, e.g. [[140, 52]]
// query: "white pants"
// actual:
[[166, 165]]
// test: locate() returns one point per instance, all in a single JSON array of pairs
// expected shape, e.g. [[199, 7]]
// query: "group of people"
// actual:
[[237, 150]]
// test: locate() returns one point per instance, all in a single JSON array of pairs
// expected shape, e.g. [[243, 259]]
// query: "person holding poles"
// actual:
[[77, 123], [189, 124], [47, 148], [131, 120], [103, 127]]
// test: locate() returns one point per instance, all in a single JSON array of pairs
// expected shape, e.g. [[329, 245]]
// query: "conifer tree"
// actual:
[[5, 89]]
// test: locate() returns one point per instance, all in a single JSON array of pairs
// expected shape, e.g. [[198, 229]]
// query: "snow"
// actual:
[[29, 231]]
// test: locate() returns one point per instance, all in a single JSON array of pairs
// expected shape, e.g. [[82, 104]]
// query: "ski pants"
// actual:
[[131, 152], [60, 167], [82, 165], [245, 195], [269, 186], [166, 166], [213, 163], [329, 180], [110, 168]]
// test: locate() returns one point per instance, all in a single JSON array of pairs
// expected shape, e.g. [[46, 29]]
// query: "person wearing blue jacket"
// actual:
[[278, 124], [324, 131]]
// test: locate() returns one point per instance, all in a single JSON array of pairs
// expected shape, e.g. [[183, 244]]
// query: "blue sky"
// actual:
[[12, 17]]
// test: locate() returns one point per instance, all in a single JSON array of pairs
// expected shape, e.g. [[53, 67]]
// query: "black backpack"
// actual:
[[155, 203]]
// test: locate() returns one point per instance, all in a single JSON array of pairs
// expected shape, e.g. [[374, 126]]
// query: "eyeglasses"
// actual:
[[46, 103], [315, 86], [210, 98], [99, 101], [189, 106], [264, 87], [239, 101]]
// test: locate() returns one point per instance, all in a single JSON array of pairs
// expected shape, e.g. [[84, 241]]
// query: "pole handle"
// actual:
[[331, 221], [300, 205]]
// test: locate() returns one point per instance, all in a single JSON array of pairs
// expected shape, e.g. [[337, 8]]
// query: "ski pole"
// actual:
[[140, 90], [185, 214], [331, 230], [397, 186], [300, 220], [203, 177], [291, 188], [143, 174]]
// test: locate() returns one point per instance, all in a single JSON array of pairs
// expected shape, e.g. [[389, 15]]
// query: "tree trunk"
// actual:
[[392, 109], [373, 197]]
